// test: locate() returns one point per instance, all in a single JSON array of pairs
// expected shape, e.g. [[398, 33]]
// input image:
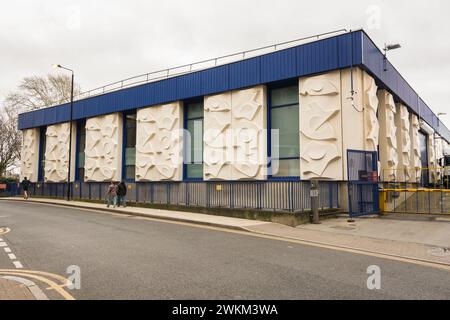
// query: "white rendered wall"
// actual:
[[104, 148], [403, 143], [30, 155], [388, 136], [321, 127], [159, 143], [57, 152], [416, 164], [235, 143]]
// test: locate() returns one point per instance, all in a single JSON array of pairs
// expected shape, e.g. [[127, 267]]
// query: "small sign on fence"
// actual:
[[3, 186]]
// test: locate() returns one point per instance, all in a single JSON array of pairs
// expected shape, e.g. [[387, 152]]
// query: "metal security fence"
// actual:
[[282, 196], [430, 194]]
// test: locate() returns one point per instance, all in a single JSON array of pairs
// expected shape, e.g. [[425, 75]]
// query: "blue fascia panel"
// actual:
[[306, 59]]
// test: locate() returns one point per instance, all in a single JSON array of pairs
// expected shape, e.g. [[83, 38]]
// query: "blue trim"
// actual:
[[276, 85], [80, 124], [42, 137], [124, 145], [185, 150]]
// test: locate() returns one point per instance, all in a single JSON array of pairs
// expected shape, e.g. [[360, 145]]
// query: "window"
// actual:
[[129, 143], [284, 148], [81, 146], [42, 148], [423, 142], [194, 145]]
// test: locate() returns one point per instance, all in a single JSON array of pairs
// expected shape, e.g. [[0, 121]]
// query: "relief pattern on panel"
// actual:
[[405, 143], [432, 159], [415, 149], [388, 148], [372, 126], [248, 121], [102, 136], [30, 149], [159, 142], [57, 153], [216, 140], [319, 127]]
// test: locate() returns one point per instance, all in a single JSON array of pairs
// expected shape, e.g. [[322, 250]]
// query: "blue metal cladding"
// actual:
[[321, 56], [373, 60]]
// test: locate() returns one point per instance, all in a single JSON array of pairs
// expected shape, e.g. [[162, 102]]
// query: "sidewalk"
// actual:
[[12, 290], [407, 248]]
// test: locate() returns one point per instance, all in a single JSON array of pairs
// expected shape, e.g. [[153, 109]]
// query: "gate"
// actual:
[[363, 193]]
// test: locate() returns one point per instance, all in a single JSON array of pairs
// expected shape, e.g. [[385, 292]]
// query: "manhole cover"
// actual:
[[440, 252], [343, 228]]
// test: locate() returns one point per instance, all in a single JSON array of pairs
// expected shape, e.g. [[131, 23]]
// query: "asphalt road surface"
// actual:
[[123, 257]]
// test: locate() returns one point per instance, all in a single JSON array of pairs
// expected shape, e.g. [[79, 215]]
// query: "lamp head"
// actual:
[[394, 46], [56, 66]]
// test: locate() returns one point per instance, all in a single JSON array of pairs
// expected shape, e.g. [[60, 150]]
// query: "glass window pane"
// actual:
[[194, 110], [81, 160], [194, 171], [286, 168], [284, 96], [130, 156], [286, 120], [130, 172], [195, 128]]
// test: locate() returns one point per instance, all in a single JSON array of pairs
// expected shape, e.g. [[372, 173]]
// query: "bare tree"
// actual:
[[32, 93]]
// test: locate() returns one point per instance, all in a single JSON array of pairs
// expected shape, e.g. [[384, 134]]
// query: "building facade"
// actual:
[[291, 114]]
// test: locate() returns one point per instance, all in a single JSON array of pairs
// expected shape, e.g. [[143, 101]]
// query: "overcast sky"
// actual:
[[107, 40]]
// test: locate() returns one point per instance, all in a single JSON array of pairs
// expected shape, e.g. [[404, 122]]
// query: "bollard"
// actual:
[[315, 201]]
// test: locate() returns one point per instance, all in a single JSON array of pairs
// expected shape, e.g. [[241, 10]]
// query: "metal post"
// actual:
[[315, 201], [70, 140]]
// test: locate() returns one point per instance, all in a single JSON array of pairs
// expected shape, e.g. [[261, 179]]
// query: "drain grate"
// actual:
[[440, 252]]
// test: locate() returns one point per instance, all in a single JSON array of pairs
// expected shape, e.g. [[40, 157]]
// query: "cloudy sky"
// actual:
[[107, 40]]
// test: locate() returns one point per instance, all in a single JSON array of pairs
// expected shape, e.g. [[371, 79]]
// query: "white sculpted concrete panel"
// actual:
[[249, 138], [159, 143], [235, 141], [403, 143], [57, 152], [371, 125], [103, 148], [388, 136], [320, 127], [217, 144], [30, 155], [416, 164]]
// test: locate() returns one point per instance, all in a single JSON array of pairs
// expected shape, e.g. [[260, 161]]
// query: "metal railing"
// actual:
[[200, 65], [279, 196], [425, 191]]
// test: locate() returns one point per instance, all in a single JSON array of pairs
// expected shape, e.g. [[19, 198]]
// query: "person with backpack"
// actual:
[[121, 194], [111, 194], [25, 186]]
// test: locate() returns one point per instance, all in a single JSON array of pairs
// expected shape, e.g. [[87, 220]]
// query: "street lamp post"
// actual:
[[70, 128]]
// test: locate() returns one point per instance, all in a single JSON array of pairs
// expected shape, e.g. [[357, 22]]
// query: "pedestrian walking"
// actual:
[[121, 194], [111, 194], [25, 185]]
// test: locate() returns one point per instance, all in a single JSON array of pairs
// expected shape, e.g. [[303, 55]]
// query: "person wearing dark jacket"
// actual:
[[25, 185], [121, 194]]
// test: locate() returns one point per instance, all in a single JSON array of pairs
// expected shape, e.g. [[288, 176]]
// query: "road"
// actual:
[[124, 257]]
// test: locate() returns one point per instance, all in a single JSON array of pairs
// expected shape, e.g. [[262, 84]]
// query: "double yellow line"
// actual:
[[48, 278]]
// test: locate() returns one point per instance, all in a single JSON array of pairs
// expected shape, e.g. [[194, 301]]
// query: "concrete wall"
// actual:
[[321, 127], [30, 155], [235, 142], [403, 143], [416, 164], [57, 152], [160, 143], [388, 136], [104, 148]]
